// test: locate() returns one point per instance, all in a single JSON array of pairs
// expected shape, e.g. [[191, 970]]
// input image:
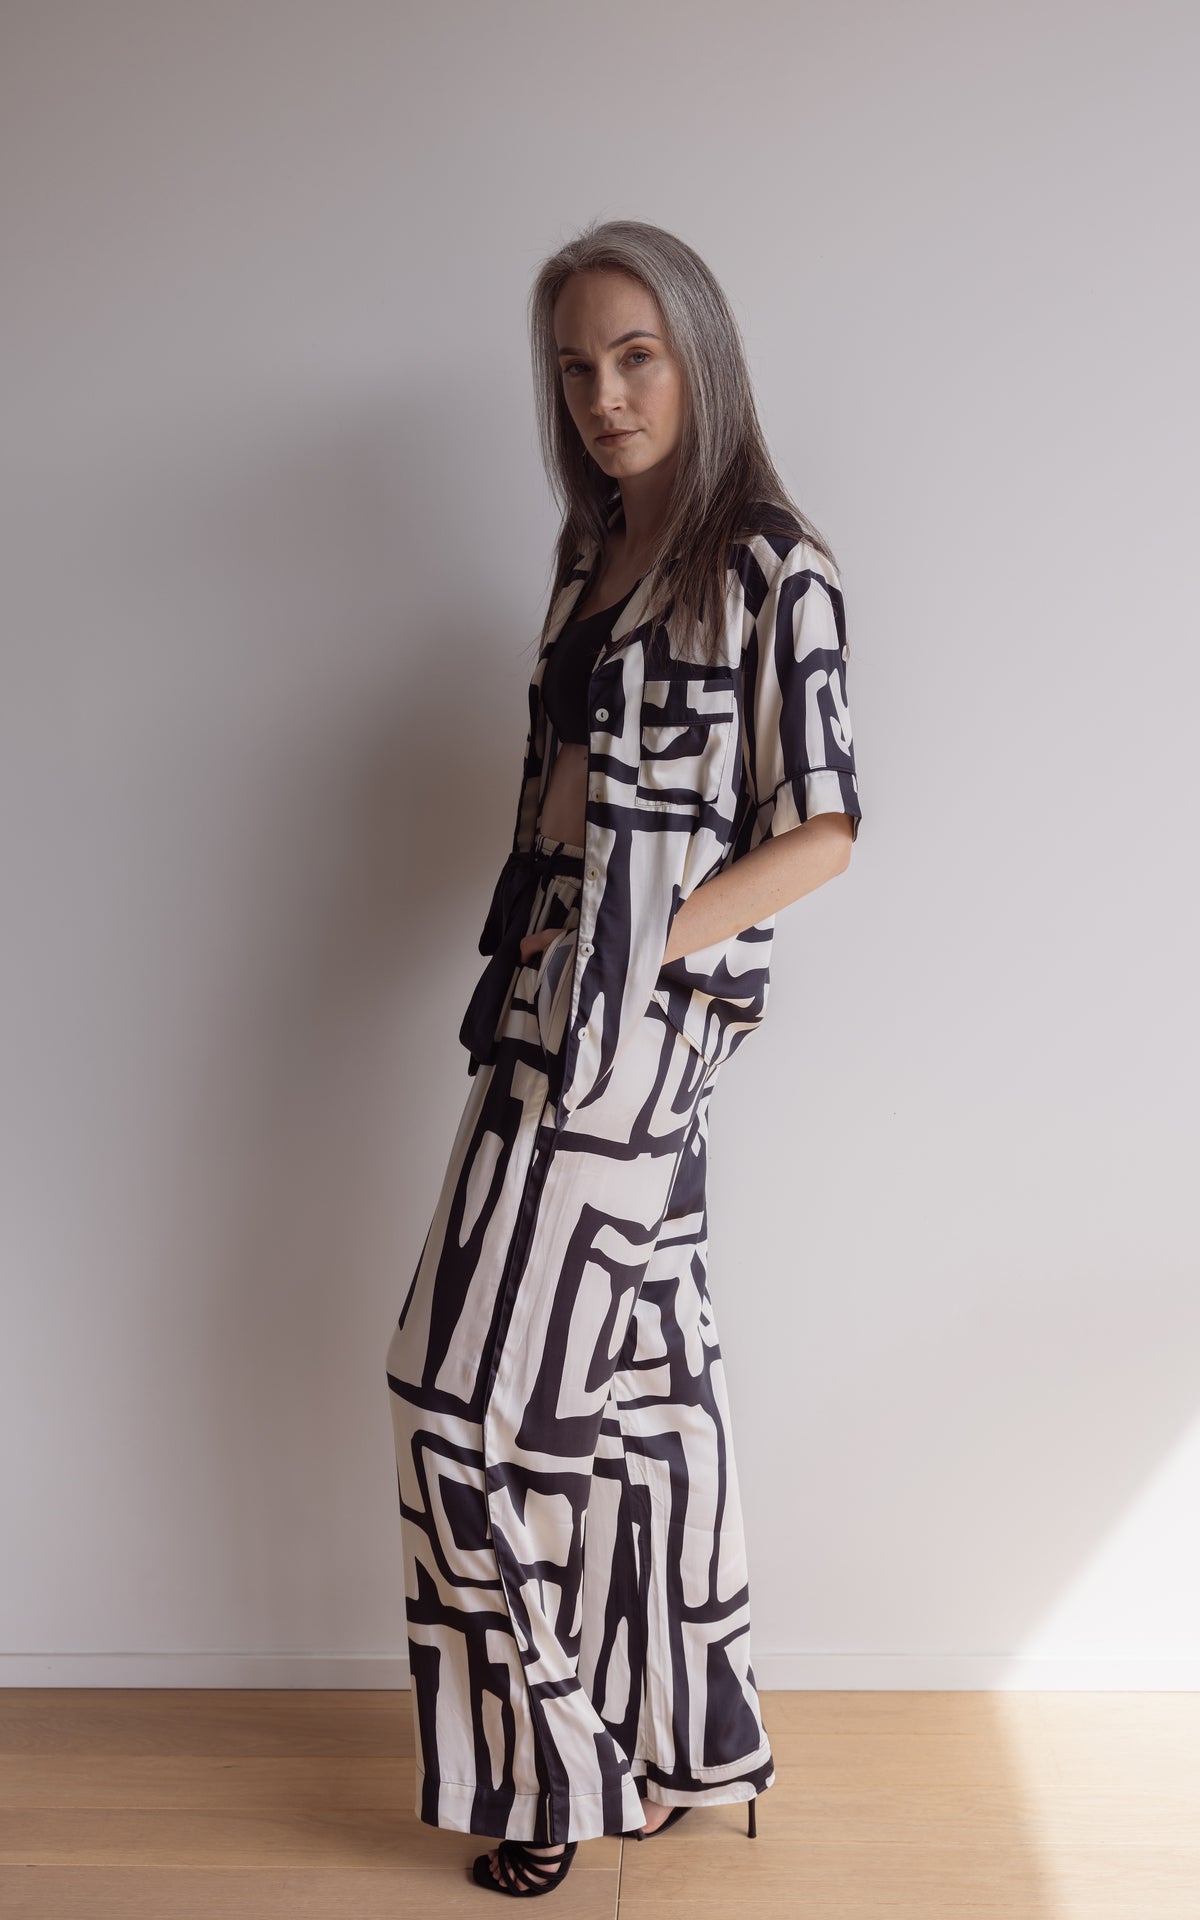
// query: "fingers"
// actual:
[[532, 943]]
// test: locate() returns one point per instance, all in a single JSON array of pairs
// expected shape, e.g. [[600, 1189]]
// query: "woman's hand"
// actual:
[[532, 943]]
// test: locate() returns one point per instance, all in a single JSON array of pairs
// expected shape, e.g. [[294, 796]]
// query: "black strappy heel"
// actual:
[[518, 1863]]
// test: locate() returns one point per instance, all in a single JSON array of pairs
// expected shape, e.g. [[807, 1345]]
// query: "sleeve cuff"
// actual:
[[802, 795]]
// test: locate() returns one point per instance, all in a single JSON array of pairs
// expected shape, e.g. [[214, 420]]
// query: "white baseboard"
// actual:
[[777, 1672]]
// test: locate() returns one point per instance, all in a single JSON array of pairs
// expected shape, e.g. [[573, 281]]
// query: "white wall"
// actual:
[[266, 389]]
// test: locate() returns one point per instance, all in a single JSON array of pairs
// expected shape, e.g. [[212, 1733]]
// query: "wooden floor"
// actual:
[[164, 1805]]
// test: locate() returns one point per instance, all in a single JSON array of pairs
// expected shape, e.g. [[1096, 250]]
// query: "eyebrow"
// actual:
[[639, 333]]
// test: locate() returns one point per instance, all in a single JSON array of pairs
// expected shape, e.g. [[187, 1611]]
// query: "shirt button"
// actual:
[[586, 947], [581, 1033], [602, 713], [592, 872], [845, 653]]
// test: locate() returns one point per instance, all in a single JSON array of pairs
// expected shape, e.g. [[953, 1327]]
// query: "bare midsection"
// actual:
[[564, 803]]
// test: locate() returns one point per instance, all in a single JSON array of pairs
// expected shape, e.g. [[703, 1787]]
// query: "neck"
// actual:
[[645, 500]]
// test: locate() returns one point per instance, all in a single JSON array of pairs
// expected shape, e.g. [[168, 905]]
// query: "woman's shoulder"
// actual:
[[769, 518], [773, 539]]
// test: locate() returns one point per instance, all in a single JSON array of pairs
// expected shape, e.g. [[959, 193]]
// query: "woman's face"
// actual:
[[618, 371]]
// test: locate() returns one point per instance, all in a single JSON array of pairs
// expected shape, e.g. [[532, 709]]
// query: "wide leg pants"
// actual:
[[575, 1567]]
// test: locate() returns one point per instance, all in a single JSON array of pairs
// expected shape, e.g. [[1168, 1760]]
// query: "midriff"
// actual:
[[564, 803]]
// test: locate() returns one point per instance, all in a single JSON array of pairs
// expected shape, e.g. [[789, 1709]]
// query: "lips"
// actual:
[[623, 433]]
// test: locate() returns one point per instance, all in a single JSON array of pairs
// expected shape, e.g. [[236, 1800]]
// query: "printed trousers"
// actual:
[[575, 1566]]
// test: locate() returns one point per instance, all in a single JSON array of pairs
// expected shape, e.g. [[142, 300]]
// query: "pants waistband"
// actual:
[[565, 856]]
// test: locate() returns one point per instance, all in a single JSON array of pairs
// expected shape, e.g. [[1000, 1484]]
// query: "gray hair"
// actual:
[[726, 485]]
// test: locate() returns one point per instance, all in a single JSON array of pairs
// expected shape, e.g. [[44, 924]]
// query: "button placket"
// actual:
[[584, 946]]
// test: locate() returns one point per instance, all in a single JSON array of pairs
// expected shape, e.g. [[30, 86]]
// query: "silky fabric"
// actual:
[[576, 1584], [567, 677], [699, 748], [506, 922], [575, 1568]]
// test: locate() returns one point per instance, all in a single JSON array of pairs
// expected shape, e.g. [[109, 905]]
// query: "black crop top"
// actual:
[[569, 668]]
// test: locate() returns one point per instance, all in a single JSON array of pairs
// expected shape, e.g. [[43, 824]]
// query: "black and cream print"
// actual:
[[689, 768], [575, 1567]]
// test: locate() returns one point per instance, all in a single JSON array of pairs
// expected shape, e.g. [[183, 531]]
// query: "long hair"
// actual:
[[725, 486]]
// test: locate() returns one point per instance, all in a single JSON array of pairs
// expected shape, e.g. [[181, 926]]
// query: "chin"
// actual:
[[635, 457]]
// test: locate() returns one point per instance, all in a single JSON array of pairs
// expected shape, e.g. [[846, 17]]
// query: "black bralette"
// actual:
[[569, 668]]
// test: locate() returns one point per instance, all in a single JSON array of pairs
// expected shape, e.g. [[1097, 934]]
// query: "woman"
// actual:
[[576, 1585]]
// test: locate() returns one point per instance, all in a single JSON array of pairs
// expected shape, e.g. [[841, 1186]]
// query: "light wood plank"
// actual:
[[174, 1803]]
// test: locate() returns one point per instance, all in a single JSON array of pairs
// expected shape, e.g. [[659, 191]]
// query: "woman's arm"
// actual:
[[775, 873]]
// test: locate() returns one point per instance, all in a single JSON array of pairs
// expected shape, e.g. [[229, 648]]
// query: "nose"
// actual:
[[606, 395]]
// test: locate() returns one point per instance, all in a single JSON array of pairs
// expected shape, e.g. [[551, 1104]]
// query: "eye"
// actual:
[[636, 353]]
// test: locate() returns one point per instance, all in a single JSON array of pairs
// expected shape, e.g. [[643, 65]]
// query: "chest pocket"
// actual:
[[689, 719]]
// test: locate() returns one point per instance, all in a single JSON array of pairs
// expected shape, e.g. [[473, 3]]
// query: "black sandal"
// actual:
[[677, 1813], [518, 1864]]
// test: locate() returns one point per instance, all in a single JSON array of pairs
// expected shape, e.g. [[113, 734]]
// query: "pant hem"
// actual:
[[462, 1807], [736, 1792]]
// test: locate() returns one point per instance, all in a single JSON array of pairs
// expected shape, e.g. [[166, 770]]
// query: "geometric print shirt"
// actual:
[[691, 766]]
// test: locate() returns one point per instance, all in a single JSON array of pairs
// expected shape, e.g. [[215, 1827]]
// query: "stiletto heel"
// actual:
[[677, 1813]]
